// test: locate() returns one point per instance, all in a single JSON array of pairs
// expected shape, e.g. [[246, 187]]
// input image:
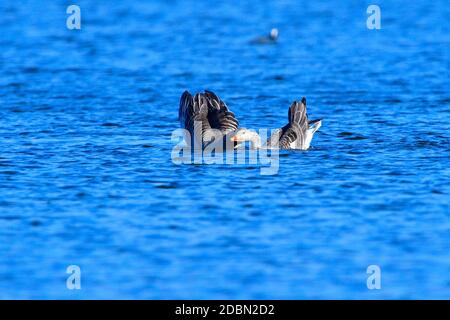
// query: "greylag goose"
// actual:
[[202, 113], [297, 134]]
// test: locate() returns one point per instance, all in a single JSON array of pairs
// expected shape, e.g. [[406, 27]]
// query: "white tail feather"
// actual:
[[310, 133]]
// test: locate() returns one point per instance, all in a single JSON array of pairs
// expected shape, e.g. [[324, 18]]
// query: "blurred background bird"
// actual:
[[272, 37]]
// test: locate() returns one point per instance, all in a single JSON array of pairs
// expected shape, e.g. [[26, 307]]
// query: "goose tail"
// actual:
[[314, 125]]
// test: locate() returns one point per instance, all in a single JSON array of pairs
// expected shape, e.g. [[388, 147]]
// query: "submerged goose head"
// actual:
[[243, 135]]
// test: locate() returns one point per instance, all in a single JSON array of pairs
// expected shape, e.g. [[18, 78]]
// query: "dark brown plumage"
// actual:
[[208, 110]]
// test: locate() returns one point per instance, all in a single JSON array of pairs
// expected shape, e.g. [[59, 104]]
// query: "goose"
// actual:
[[201, 113], [272, 37], [297, 134]]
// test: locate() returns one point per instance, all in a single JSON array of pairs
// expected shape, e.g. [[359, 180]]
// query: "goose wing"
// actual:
[[193, 114], [291, 138], [274, 139], [284, 137], [219, 116], [293, 135]]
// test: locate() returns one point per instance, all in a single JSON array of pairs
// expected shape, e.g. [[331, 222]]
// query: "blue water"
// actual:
[[86, 176]]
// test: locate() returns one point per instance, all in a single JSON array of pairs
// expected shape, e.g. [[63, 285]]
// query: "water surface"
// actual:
[[86, 176]]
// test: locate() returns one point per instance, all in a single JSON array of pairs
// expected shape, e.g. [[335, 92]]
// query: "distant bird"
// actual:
[[272, 37], [297, 134]]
